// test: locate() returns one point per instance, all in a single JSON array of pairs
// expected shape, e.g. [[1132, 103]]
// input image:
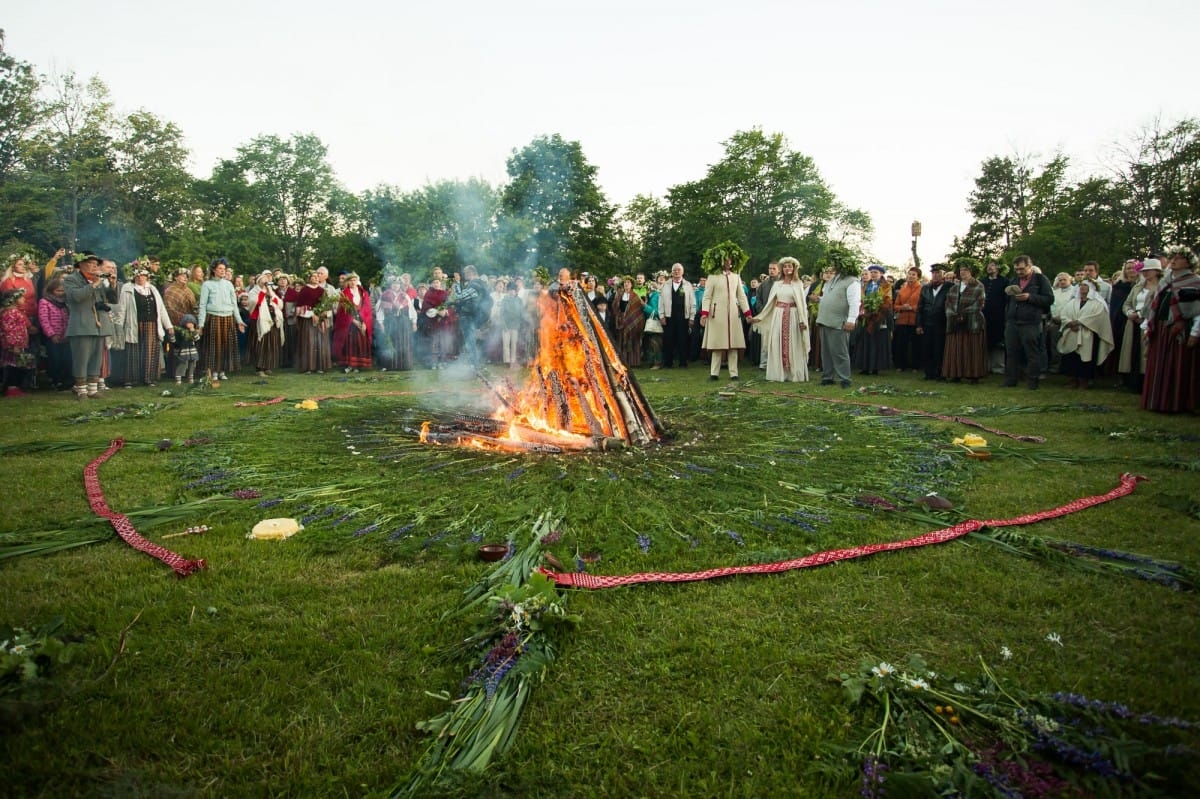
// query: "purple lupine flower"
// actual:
[[370, 528], [269, 503], [515, 473], [643, 543], [873, 770], [400, 531], [736, 538]]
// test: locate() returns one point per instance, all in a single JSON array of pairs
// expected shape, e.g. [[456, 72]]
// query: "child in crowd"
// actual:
[[53, 317], [186, 354]]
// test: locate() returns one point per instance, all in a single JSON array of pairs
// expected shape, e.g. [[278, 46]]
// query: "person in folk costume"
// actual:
[[814, 304], [966, 353], [397, 317], [783, 322], [1172, 383], [837, 314], [439, 323], [905, 299], [187, 354], [266, 338], [1131, 334], [873, 331], [142, 324], [220, 323], [287, 292], [725, 306], [630, 320], [16, 357], [676, 308], [312, 326], [353, 327], [90, 293], [180, 301], [1086, 338]]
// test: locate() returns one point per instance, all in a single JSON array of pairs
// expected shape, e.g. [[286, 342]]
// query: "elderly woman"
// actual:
[[266, 337], [220, 324], [1086, 338], [1172, 383], [783, 322], [1063, 288], [141, 322], [629, 318], [966, 354], [873, 334], [1130, 335]]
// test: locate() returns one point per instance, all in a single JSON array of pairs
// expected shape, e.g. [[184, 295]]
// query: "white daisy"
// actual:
[[883, 670], [1006, 653], [1054, 638]]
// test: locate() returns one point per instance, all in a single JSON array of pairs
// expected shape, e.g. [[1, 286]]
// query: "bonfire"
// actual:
[[577, 396]]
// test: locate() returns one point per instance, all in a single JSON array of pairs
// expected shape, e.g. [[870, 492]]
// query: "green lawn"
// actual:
[[301, 668]]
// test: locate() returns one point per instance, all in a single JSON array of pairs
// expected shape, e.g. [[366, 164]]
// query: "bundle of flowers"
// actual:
[[519, 615], [932, 735]]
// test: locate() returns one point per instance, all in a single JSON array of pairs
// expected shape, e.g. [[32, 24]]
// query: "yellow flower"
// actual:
[[954, 719], [307, 405], [971, 441]]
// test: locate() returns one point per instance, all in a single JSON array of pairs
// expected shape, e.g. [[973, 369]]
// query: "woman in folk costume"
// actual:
[[220, 323], [142, 322], [1172, 383], [312, 327], [16, 358], [397, 317], [1130, 336], [1086, 338], [783, 323], [267, 334], [439, 323], [966, 353], [287, 292], [630, 319], [725, 305], [873, 335]]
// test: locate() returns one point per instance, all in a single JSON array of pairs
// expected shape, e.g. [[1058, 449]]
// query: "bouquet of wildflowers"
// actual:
[[937, 736]]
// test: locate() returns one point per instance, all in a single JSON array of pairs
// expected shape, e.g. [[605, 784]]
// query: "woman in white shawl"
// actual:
[[264, 342], [1086, 338], [1132, 335], [142, 322], [783, 322]]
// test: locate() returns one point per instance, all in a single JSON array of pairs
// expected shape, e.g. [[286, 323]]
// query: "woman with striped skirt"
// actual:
[[265, 341], [142, 322], [312, 328], [219, 324]]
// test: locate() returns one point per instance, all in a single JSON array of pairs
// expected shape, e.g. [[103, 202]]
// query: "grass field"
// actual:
[[301, 668]]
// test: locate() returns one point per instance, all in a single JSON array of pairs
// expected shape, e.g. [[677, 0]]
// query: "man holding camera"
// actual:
[[91, 293]]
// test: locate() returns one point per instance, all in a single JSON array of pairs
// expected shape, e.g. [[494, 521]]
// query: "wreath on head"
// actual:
[[715, 256], [967, 262], [840, 259]]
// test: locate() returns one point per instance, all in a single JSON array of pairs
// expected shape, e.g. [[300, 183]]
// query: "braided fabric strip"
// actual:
[[594, 581], [121, 523]]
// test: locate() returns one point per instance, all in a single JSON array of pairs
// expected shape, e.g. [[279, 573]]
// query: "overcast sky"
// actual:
[[897, 103]]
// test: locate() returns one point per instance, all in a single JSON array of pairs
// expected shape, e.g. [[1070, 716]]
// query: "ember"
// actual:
[[579, 394]]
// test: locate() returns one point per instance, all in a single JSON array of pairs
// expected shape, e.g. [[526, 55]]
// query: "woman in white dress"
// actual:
[[783, 321]]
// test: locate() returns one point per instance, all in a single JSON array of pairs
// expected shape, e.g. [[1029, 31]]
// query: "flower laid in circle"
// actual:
[[1006, 653], [884, 670], [1054, 638], [917, 684]]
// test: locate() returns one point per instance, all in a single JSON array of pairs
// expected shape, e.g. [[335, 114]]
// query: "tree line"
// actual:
[[75, 172]]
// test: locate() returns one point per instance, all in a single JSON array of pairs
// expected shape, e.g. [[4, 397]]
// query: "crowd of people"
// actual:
[[93, 324]]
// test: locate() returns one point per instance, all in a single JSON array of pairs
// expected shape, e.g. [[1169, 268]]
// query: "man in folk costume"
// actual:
[[1172, 382], [353, 326], [676, 307], [725, 306], [90, 297], [1087, 337], [837, 314], [267, 318]]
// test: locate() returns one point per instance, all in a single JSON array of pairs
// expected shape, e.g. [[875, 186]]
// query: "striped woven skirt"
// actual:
[[218, 345], [312, 347], [264, 352], [143, 360]]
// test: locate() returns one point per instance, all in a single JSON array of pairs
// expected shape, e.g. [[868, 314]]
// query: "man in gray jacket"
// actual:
[[91, 293]]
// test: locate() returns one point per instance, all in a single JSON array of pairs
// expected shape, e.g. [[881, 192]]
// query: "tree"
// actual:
[[1088, 225], [19, 108], [447, 224], [765, 196], [1010, 197], [288, 186], [153, 184], [552, 213], [1160, 173]]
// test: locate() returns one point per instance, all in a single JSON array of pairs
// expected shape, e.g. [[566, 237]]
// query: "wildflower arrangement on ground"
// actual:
[[28, 654], [930, 734], [519, 615]]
